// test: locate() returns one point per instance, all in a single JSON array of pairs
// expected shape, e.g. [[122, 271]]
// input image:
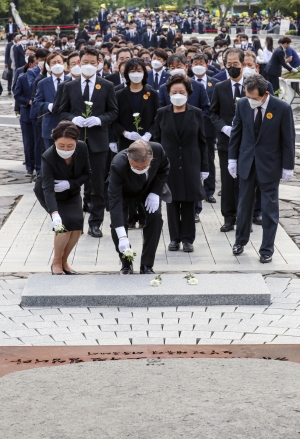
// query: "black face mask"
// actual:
[[234, 72]]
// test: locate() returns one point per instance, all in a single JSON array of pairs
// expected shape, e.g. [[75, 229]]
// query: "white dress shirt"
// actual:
[[203, 80], [92, 81], [55, 82], [11, 27], [159, 75], [241, 81], [263, 108]]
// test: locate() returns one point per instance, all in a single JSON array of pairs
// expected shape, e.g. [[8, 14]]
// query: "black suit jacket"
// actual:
[[186, 150], [152, 42], [83, 35], [58, 96], [124, 185], [114, 78], [19, 56], [7, 58], [124, 121], [55, 168], [222, 111], [276, 63], [104, 107], [274, 148], [15, 28], [210, 130]]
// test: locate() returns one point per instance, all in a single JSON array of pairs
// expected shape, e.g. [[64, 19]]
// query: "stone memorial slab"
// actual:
[[135, 290]]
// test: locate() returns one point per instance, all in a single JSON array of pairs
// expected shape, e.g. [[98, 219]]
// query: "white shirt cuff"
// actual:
[[232, 161], [121, 232]]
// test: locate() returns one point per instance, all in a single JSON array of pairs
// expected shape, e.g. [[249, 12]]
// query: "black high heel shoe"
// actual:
[[57, 274], [69, 272]]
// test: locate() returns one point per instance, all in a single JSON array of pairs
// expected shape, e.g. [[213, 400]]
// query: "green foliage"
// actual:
[[291, 32], [286, 7], [216, 4]]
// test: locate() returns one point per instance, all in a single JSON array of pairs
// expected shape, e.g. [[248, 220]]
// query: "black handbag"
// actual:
[[39, 193], [6, 75]]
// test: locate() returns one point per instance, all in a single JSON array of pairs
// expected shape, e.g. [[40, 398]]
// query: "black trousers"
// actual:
[[269, 207], [10, 79], [181, 221], [274, 81], [136, 213], [230, 188], [151, 236], [210, 181], [97, 161]]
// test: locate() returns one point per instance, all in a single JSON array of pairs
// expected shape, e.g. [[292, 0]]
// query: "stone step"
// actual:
[[136, 291]]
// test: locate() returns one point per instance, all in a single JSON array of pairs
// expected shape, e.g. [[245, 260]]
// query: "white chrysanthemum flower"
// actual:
[[193, 281], [58, 227], [136, 114], [154, 283], [128, 252], [90, 104]]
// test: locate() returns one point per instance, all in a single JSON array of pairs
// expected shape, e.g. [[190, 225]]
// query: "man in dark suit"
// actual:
[[102, 18], [188, 25], [19, 55], [149, 39], [158, 76], [84, 34], [171, 35], [8, 61], [111, 34], [277, 61], [132, 178], [10, 29], [29, 51], [200, 67], [261, 151], [93, 129], [123, 54], [32, 74], [222, 111]]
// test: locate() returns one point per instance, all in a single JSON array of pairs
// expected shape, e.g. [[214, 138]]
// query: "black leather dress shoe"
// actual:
[[257, 220], [264, 259], [95, 232], [237, 249], [197, 219], [70, 272], [86, 207], [174, 246], [227, 227], [146, 270], [128, 269], [55, 274], [211, 199], [188, 247]]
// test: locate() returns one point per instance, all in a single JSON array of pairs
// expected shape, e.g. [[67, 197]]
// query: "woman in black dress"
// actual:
[[65, 168], [179, 128]]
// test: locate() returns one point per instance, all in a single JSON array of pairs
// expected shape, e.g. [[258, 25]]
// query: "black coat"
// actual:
[[105, 107], [58, 96], [277, 61], [152, 42], [114, 78], [55, 168], [124, 122], [124, 185], [222, 111], [187, 151]]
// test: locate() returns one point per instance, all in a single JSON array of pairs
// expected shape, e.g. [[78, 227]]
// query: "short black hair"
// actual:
[[240, 53], [123, 49], [179, 79], [176, 58], [66, 128], [200, 56], [42, 53], [88, 50], [256, 82], [133, 64]]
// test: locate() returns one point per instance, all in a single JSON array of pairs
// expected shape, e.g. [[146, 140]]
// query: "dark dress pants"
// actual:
[[274, 81], [151, 235], [257, 205], [48, 143], [28, 141], [97, 162], [181, 221], [229, 188], [10, 79], [269, 207], [37, 146], [210, 181]]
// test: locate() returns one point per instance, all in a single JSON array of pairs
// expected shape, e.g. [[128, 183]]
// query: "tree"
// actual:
[[222, 5]]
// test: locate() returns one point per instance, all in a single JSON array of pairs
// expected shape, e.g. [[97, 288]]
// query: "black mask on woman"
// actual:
[[234, 72]]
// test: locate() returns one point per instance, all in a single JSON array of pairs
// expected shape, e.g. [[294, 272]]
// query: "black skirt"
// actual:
[[71, 213]]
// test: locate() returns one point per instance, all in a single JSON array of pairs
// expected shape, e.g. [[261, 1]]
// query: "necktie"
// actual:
[[199, 79], [58, 81], [156, 81], [86, 93], [237, 93], [257, 122]]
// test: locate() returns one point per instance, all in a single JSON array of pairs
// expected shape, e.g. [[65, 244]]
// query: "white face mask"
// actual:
[[88, 70], [254, 103], [220, 60], [248, 72], [57, 69], [156, 64], [76, 70], [136, 77], [136, 171], [237, 46], [178, 100], [114, 58], [47, 67], [100, 66], [64, 154], [107, 57], [199, 70], [177, 72], [98, 44], [41, 64], [24, 42], [26, 59]]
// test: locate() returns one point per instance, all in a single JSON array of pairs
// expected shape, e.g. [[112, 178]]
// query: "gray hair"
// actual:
[[256, 81], [140, 151]]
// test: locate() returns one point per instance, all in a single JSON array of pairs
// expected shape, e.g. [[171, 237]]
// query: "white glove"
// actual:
[[232, 167], [147, 137], [56, 219], [226, 130], [204, 175], [295, 71], [152, 203], [79, 121], [61, 185], [113, 146], [92, 121], [132, 135], [50, 106], [287, 174], [123, 244]]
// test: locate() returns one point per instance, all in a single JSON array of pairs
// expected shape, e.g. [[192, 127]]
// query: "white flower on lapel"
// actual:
[[136, 114]]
